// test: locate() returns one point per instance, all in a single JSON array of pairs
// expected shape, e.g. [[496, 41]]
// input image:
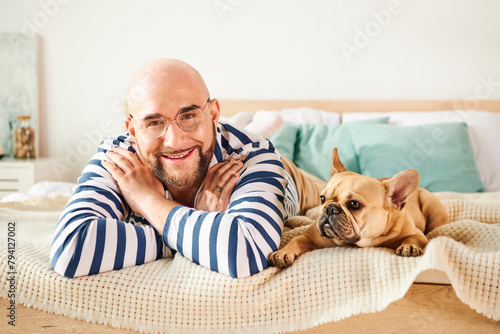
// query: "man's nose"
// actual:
[[173, 135]]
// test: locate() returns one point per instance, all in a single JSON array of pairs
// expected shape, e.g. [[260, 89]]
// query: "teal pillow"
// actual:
[[441, 153], [310, 146], [284, 139]]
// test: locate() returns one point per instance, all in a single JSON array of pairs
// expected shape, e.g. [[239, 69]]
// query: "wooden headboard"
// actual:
[[231, 107]]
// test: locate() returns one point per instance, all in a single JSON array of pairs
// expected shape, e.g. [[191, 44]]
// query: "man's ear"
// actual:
[[337, 165], [399, 187], [130, 126], [215, 111]]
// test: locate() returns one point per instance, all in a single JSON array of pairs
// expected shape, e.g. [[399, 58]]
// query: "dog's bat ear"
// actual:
[[400, 187], [337, 166]]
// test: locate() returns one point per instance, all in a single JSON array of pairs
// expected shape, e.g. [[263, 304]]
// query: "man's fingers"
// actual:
[[229, 187], [119, 161], [123, 152], [219, 184], [224, 174], [226, 193], [124, 159], [112, 169], [212, 171], [129, 172]]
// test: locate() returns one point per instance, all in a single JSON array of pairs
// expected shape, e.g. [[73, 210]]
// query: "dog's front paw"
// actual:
[[408, 250], [281, 258]]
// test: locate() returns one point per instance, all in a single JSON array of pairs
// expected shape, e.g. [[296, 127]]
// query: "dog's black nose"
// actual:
[[333, 209]]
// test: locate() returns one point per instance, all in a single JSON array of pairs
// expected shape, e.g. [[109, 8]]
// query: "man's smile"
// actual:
[[178, 157], [184, 165]]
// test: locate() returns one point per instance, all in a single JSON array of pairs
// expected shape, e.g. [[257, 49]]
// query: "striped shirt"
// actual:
[[98, 232]]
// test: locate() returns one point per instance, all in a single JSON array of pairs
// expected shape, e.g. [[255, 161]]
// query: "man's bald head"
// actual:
[[161, 78]]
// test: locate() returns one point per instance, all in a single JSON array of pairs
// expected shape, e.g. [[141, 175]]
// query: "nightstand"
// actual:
[[19, 175]]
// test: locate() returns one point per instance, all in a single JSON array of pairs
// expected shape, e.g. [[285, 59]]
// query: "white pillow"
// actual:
[[16, 197], [49, 187], [405, 117], [309, 116], [266, 122], [241, 119], [484, 132], [262, 123], [42, 188]]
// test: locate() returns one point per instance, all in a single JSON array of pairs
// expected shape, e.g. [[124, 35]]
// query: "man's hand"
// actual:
[[218, 186], [140, 188]]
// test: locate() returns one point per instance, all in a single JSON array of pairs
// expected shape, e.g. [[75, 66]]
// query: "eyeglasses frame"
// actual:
[[175, 120]]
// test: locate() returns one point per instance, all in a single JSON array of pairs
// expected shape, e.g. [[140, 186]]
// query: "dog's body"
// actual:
[[363, 211]]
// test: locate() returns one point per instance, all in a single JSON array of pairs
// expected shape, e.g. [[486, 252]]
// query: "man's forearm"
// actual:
[[156, 209], [93, 234], [235, 242]]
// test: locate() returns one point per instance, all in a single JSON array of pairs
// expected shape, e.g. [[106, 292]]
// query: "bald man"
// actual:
[[178, 181]]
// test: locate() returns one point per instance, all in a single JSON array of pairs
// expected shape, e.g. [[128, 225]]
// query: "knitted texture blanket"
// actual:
[[178, 296]]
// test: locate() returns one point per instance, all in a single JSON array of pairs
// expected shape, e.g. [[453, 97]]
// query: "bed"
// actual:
[[455, 286]]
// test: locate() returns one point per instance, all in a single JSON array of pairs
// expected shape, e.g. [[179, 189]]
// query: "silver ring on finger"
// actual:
[[217, 188]]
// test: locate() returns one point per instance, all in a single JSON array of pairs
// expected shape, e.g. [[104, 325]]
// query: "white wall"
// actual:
[[259, 49]]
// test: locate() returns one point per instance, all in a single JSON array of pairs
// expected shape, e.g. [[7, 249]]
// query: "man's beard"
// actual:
[[191, 177]]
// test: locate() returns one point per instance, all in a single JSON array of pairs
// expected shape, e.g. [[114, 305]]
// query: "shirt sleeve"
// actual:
[[236, 242], [95, 232]]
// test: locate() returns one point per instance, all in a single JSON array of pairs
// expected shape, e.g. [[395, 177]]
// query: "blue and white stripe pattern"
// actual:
[[98, 232]]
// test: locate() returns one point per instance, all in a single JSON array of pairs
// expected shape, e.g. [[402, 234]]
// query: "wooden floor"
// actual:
[[426, 308]]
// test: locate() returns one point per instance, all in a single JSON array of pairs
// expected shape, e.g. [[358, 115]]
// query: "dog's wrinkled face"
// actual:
[[354, 209]]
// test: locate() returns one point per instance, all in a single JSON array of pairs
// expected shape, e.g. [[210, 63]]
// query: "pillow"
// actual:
[[310, 146], [261, 123], [266, 122], [15, 197], [241, 119], [284, 139], [485, 136], [49, 187], [441, 154], [483, 130], [405, 117], [309, 116]]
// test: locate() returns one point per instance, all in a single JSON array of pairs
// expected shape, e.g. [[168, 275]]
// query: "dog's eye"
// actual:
[[322, 198], [354, 205]]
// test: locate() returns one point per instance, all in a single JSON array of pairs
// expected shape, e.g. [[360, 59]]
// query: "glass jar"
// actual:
[[24, 138]]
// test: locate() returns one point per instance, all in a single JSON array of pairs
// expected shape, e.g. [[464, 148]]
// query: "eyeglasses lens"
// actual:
[[189, 120]]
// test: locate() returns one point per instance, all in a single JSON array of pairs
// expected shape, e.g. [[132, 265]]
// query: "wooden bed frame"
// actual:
[[426, 308], [231, 107]]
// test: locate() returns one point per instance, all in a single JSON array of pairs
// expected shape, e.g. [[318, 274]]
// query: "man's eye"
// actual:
[[322, 198], [354, 205], [187, 115], [154, 123]]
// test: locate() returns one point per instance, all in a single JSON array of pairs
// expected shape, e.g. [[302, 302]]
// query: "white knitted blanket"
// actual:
[[178, 296]]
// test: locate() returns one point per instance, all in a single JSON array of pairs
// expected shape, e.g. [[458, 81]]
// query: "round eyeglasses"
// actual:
[[188, 119]]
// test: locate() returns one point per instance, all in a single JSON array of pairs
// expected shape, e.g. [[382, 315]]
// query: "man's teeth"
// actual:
[[177, 156]]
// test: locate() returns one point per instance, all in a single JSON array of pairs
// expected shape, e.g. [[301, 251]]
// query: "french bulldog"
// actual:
[[363, 211]]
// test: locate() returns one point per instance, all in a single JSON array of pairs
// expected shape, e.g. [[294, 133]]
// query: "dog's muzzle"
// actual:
[[334, 223]]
